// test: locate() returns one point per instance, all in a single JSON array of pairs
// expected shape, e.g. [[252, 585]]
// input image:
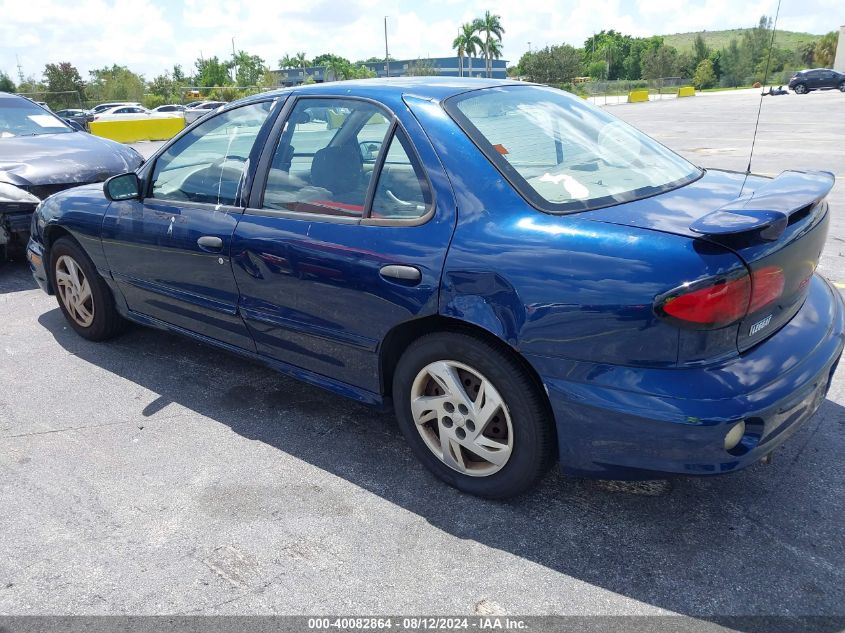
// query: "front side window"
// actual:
[[207, 164], [325, 157], [563, 154]]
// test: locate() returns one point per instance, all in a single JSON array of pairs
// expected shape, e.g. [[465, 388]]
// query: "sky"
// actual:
[[149, 36]]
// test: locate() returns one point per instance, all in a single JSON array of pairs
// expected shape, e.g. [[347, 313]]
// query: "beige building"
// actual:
[[839, 63]]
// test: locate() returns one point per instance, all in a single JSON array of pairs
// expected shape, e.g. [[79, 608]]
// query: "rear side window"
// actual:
[[402, 192], [563, 154], [325, 158]]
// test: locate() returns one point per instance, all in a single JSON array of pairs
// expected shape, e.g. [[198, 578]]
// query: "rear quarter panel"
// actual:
[[560, 286]]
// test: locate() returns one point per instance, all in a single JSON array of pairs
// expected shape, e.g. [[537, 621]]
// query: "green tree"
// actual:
[[659, 62], [732, 65], [117, 83], [552, 64], [716, 60], [490, 26], [212, 72], [619, 53], [6, 83], [467, 44], [685, 65], [807, 53], [161, 86], [422, 68], [700, 49], [178, 75], [704, 76], [325, 58], [31, 86], [824, 52], [63, 77], [249, 69]]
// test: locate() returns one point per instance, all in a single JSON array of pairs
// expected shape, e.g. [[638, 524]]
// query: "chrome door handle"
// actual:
[[407, 274], [210, 243]]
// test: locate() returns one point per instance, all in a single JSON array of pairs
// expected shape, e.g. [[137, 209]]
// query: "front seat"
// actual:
[[340, 169]]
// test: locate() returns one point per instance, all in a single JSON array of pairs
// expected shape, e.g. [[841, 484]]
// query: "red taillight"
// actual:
[[766, 287], [725, 301], [715, 305]]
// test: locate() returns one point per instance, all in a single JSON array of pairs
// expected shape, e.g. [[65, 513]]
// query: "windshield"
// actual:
[[563, 154], [19, 117]]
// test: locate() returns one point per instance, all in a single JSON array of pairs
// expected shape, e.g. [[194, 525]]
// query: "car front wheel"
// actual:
[[473, 415], [800, 89], [83, 295], [842, 87]]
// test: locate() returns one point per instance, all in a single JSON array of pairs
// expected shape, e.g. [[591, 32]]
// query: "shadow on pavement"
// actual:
[[15, 275], [759, 542]]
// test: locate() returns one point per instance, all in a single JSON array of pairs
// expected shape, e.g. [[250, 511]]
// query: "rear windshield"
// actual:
[[21, 117], [564, 154]]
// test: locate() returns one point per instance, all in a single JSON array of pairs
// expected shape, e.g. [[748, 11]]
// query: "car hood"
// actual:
[[55, 159]]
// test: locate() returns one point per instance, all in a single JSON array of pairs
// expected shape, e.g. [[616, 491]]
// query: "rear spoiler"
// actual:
[[769, 207]]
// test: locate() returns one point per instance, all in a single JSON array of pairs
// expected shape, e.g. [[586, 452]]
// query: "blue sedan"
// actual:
[[523, 277]]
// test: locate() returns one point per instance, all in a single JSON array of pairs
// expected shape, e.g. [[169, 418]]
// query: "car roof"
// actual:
[[392, 88], [123, 105]]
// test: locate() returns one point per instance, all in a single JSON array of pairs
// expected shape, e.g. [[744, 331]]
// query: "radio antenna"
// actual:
[[760, 106]]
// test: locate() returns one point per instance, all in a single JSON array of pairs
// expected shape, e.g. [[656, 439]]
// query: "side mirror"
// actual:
[[369, 150], [123, 187], [75, 125]]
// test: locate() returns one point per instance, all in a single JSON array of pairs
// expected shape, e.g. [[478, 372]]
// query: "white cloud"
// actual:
[[150, 36]]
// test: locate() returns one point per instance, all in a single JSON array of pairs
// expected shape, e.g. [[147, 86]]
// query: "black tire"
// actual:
[[106, 322], [800, 89], [533, 436], [842, 87]]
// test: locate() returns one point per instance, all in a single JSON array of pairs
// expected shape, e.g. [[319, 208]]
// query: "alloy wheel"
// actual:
[[462, 418], [74, 291]]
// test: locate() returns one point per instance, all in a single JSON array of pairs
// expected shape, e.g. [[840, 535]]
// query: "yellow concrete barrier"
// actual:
[[133, 130], [637, 96], [686, 91]]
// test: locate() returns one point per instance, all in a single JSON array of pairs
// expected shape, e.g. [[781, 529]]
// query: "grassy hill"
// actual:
[[720, 39]]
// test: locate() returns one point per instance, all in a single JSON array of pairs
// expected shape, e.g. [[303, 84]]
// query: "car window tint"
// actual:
[[320, 165], [207, 164], [402, 191]]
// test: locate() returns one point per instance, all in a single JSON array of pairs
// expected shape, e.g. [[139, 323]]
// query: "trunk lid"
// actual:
[[777, 227]]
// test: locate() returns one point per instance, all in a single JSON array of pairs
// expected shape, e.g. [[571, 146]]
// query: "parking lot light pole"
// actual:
[[386, 54]]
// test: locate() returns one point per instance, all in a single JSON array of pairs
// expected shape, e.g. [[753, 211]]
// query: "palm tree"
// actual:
[[494, 51], [491, 27], [467, 43], [338, 68]]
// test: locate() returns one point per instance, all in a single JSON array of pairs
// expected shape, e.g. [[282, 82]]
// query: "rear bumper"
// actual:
[[626, 422]]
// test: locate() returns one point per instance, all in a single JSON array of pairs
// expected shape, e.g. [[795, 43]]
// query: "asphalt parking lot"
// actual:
[[152, 475]]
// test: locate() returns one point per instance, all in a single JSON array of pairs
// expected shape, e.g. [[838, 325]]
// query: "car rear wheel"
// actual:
[[842, 87], [472, 414], [800, 89], [83, 295]]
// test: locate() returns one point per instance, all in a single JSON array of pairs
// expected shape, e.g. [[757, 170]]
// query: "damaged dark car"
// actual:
[[40, 154]]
